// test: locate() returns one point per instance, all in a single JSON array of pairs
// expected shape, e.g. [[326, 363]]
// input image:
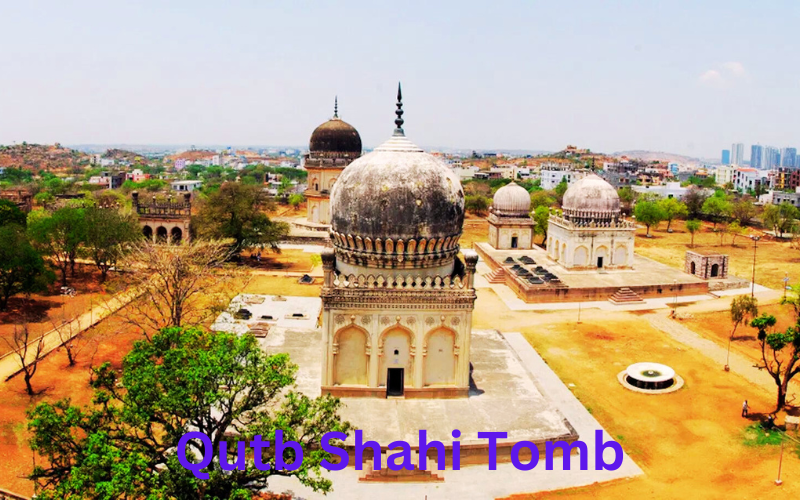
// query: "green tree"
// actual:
[[220, 384], [59, 235], [296, 199], [648, 213], [693, 226], [717, 207], [673, 209], [560, 189], [780, 352], [22, 269], [780, 218], [542, 199], [11, 214], [236, 211], [694, 199], [110, 235], [541, 216], [744, 210], [476, 204], [735, 229]]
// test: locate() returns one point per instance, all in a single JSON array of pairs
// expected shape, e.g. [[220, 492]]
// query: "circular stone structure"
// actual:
[[650, 378]]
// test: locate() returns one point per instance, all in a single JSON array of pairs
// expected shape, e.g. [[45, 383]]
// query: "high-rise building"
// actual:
[[757, 156], [788, 157], [726, 156], [772, 157], [737, 153]]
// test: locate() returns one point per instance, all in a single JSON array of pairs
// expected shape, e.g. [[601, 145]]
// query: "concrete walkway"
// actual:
[[478, 482], [10, 362]]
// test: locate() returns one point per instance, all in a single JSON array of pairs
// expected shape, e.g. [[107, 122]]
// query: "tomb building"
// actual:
[[591, 232], [332, 147], [510, 222], [397, 300]]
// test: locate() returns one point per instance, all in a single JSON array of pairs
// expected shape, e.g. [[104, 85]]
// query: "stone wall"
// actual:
[[702, 266]]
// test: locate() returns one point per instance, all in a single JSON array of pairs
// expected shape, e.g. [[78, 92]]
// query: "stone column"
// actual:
[[374, 355]]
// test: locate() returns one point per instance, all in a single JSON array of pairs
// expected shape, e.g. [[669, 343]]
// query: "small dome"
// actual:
[[591, 198], [512, 200], [335, 136]]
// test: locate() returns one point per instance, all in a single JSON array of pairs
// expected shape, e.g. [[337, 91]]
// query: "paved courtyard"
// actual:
[[513, 391]]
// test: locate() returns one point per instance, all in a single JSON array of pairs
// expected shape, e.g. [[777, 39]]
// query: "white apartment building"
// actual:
[[551, 176]]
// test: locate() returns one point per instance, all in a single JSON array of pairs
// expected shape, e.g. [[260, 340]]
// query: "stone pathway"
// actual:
[[9, 363], [738, 364]]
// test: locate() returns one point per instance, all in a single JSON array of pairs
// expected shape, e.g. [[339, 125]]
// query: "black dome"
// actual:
[[335, 136]]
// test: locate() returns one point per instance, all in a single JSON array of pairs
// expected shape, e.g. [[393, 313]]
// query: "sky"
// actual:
[[681, 77]]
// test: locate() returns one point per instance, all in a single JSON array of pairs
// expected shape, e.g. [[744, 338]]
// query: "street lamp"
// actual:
[[755, 247]]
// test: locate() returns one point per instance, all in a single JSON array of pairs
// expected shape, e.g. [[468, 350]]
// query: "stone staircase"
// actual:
[[385, 475], [625, 296], [497, 276]]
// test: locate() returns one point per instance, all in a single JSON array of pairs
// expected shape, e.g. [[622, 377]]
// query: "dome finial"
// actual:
[[336, 106], [399, 120]]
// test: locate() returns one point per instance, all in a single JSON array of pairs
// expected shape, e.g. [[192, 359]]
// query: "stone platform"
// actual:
[[647, 278], [503, 397]]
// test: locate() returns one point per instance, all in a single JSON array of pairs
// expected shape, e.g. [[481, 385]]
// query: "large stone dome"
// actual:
[[512, 200], [397, 207], [398, 203], [591, 198], [335, 136]]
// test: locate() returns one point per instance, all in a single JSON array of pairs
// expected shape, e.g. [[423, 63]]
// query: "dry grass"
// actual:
[[774, 258], [689, 443], [44, 311]]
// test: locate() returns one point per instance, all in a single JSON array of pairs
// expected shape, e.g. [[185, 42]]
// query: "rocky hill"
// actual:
[[36, 157]]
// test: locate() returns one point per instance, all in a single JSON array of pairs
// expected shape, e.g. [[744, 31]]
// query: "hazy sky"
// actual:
[[668, 76]]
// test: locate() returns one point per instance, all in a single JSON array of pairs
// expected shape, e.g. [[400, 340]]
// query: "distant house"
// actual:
[[668, 190], [186, 186]]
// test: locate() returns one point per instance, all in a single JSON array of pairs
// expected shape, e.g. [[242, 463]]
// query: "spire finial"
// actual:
[[336, 107], [399, 120]]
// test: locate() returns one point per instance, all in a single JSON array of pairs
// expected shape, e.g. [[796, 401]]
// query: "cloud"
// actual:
[[711, 77], [734, 68], [723, 75]]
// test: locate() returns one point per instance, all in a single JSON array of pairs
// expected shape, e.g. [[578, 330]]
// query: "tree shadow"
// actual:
[[22, 309]]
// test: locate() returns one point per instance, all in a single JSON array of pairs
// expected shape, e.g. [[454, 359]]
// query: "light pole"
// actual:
[[755, 247], [675, 308], [785, 285], [778, 481]]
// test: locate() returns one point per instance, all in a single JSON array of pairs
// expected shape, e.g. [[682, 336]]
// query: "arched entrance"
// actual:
[[397, 364], [693, 268], [147, 231], [161, 234], [714, 270], [176, 235]]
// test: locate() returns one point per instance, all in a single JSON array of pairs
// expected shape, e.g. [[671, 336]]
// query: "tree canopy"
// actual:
[[237, 211], [648, 213], [59, 235], [672, 209], [220, 384], [11, 214], [22, 269], [109, 236]]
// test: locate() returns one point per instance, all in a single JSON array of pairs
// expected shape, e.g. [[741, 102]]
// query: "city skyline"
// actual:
[[501, 77]]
